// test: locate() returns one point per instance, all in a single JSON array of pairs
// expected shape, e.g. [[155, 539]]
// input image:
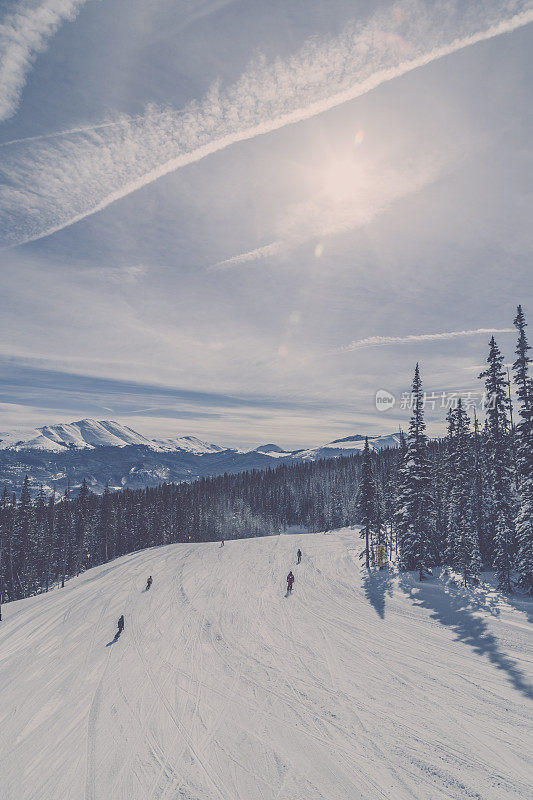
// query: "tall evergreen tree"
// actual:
[[401, 520], [463, 545], [499, 463], [64, 525], [24, 540], [50, 539], [367, 501], [479, 498], [418, 495], [81, 528], [524, 437]]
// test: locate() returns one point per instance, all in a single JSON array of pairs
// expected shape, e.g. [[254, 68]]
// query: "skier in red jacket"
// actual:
[[290, 581]]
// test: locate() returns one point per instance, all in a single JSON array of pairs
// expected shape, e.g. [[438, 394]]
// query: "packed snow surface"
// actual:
[[222, 688]]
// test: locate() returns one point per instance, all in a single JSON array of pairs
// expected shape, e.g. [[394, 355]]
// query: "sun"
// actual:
[[341, 175]]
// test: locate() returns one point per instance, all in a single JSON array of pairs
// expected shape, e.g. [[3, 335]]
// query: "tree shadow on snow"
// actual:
[[377, 585], [454, 610], [522, 603]]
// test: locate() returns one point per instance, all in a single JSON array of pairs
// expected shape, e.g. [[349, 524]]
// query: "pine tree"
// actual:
[[50, 539], [438, 543], [478, 494], [463, 545], [524, 438], [401, 521], [40, 540], [64, 525], [367, 501], [3, 548], [81, 527], [24, 528], [418, 494], [380, 529], [499, 465], [105, 523]]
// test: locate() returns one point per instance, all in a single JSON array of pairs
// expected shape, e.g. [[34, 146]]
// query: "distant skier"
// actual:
[[290, 581], [149, 583], [120, 626], [299, 556], [222, 542]]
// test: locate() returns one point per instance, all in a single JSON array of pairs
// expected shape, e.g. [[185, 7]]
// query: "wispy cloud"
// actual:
[[272, 249], [366, 192], [54, 183], [24, 33], [381, 341]]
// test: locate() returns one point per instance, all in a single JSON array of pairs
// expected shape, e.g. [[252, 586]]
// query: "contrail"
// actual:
[[58, 134], [380, 341], [258, 104], [251, 255]]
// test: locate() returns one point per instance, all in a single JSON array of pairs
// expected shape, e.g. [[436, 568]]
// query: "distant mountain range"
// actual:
[[106, 452]]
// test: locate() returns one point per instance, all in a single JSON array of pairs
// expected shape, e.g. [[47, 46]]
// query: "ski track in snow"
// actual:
[[355, 687]]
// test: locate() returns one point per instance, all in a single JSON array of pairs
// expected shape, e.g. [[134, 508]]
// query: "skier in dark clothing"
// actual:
[[290, 581], [299, 556], [222, 542], [149, 582], [120, 626]]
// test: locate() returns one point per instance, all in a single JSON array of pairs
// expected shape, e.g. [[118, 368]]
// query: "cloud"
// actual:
[[24, 33], [365, 192], [272, 249], [54, 183], [380, 341]]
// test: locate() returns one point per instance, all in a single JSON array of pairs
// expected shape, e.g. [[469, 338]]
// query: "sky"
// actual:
[[240, 219]]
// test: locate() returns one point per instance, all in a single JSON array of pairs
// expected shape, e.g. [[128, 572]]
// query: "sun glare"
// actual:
[[341, 178]]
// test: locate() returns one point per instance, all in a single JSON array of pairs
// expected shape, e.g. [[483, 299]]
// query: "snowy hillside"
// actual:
[[222, 688], [91, 433], [86, 433], [106, 452], [349, 444], [189, 444]]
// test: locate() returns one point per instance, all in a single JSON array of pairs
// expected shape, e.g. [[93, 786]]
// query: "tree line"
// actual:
[[465, 500]]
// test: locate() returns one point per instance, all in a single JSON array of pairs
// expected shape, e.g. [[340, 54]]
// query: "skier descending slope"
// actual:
[[290, 581], [149, 583], [299, 556], [120, 626]]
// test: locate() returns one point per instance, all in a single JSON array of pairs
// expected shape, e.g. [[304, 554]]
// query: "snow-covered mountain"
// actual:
[[360, 686], [86, 433], [106, 452], [90, 433], [349, 444], [190, 444]]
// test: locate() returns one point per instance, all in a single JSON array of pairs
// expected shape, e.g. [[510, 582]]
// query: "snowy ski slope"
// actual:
[[221, 688]]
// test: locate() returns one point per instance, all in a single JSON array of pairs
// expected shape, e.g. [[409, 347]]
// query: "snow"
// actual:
[[221, 688], [350, 444], [190, 444], [90, 433], [86, 433]]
